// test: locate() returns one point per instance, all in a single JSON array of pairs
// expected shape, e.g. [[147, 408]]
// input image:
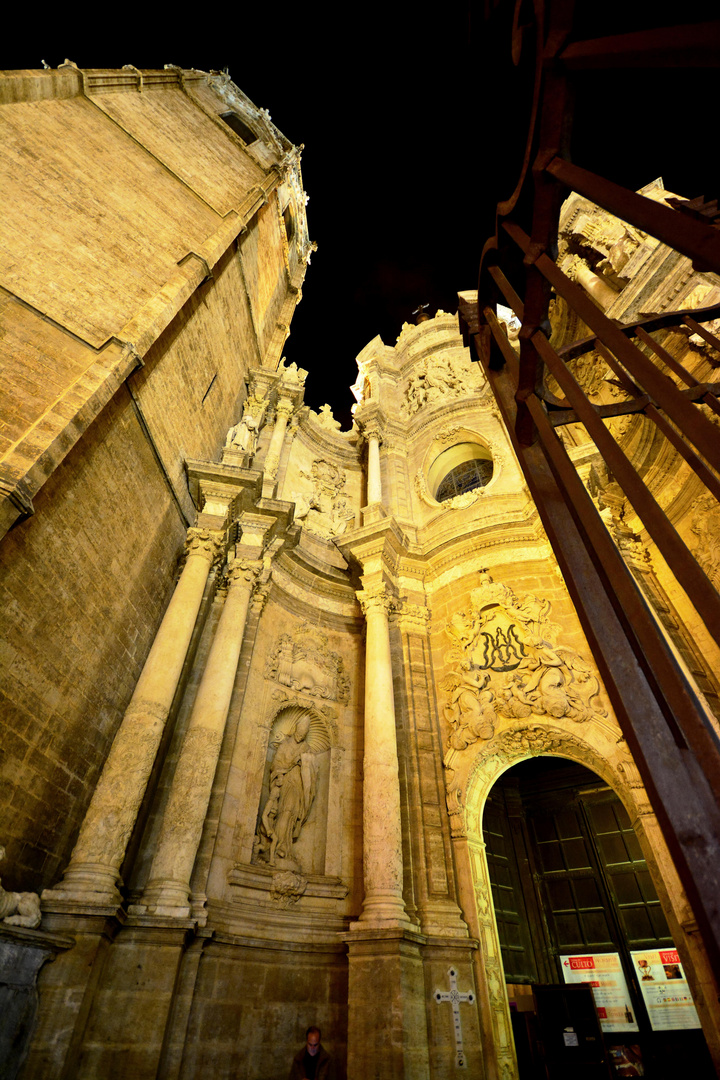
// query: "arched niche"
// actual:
[[291, 827]]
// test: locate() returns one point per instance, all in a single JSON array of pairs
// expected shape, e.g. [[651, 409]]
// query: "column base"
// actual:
[[383, 911], [373, 512], [165, 899], [87, 886]]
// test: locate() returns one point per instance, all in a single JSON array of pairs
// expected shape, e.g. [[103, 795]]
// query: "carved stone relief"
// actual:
[[323, 508], [438, 378], [507, 664], [298, 738], [303, 661], [705, 531]]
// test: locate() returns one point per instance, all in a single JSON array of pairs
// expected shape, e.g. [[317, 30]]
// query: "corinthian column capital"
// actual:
[[375, 598], [206, 543]]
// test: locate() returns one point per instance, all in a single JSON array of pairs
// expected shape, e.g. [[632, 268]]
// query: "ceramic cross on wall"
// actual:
[[454, 996]]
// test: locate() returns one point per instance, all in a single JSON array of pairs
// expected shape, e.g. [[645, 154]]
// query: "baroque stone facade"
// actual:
[[256, 726]]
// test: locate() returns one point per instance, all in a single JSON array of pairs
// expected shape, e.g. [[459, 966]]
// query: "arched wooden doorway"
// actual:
[[564, 864]]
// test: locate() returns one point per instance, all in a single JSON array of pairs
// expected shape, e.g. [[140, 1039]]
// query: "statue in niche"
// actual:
[[244, 435], [506, 665], [19, 908], [293, 783]]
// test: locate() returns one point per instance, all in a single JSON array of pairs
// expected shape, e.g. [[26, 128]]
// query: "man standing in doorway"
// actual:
[[312, 1062]]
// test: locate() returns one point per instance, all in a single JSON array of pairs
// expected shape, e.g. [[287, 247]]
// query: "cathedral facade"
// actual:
[[279, 697]]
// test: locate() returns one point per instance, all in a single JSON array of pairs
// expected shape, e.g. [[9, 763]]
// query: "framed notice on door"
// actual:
[[603, 972], [665, 990]]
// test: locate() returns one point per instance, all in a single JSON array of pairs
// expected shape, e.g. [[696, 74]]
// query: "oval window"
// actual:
[[460, 469]]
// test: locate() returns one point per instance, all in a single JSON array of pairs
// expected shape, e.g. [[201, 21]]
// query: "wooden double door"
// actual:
[[568, 876]]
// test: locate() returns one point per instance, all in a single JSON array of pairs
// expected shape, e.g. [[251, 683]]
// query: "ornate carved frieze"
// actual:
[[323, 507], [304, 662], [412, 618], [506, 664]]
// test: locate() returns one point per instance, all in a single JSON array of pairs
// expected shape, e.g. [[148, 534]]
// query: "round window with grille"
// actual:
[[460, 469]]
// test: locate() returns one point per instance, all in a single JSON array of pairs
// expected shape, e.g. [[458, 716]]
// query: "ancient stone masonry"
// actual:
[[303, 662]]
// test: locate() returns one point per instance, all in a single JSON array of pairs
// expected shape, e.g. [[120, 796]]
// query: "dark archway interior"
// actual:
[[569, 878]]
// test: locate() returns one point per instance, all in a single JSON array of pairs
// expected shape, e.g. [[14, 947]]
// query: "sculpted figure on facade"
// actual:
[[304, 662], [324, 509], [439, 377], [506, 665], [292, 789], [19, 908], [244, 435]]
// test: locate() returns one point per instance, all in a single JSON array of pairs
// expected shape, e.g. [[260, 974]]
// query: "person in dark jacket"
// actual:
[[312, 1061]]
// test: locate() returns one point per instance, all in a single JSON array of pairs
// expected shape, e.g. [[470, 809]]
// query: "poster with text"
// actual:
[[604, 973], [665, 990]]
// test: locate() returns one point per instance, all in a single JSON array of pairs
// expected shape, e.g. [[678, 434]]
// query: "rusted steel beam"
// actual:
[[687, 571], [693, 424], [612, 613], [693, 325], [513, 300], [667, 359], [653, 322], [700, 242], [693, 46]]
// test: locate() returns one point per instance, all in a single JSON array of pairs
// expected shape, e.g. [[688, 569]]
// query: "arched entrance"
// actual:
[[562, 868]]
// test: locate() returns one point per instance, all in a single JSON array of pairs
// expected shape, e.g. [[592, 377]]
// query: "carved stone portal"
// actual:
[[506, 664], [299, 736], [304, 662]]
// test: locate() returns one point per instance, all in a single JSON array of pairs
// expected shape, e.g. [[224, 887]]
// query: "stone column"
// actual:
[[168, 890], [285, 408], [374, 494], [383, 905], [93, 873]]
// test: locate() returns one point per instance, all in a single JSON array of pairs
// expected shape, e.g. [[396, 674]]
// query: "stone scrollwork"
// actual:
[[19, 908], [304, 662], [506, 664]]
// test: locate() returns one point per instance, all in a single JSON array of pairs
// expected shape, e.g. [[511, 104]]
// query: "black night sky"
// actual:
[[409, 123]]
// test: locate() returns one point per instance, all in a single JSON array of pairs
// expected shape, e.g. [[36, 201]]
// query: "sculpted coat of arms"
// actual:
[[303, 661], [506, 664]]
